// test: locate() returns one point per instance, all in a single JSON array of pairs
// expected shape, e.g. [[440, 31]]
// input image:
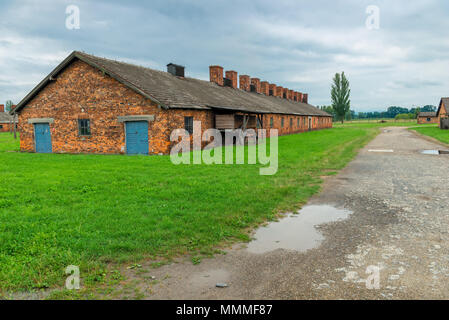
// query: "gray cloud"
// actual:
[[298, 44]]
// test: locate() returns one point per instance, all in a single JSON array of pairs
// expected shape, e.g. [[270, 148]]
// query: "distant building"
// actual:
[[5, 119], [442, 113], [427, 117]]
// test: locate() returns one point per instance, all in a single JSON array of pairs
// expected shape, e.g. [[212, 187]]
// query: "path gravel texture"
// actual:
[[398, 230]]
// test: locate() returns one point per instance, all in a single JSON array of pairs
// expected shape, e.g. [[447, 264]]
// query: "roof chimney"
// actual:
[[290, 94], [272, 89], [279, 91], [299, 97], [175, 69], [216, 74], [2, 108], [232, 77], [305, 98], [244, 82], [265, 88], [256, 83]]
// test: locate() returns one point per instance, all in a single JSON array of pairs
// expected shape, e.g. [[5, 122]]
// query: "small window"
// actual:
[[1, 126], [291, 122], [297, 120], [271, 122], [428, 119], [282, 122], [188, 124], [84, 127]]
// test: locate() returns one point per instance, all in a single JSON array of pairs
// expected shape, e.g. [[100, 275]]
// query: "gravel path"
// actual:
[[399, 226]]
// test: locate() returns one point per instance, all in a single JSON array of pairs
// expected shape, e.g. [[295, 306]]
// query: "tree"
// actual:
[[340, 96], [329, 110], [9, 105], [417, 111], [429, 108]]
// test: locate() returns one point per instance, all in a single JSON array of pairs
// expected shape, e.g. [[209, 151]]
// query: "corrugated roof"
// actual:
[[188, 93]]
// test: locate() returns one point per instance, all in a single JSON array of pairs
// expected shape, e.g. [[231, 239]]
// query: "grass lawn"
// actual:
[[374, 124], [434, 132], [95, 211]]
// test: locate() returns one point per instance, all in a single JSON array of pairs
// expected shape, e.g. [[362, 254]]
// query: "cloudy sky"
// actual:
[[296, 44]]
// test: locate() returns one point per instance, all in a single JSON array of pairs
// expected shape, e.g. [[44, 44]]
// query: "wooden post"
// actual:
[[14, 120]]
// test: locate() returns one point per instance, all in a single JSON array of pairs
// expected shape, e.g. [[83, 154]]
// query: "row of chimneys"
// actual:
[[246, 83], [254, 85], [2, 107]]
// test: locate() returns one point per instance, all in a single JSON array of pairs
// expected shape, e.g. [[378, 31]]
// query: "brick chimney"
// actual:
[[216, 74], [305, 98], [244, 82], [279, 92], [295, 96], [232, 76], [265, 88], [256, 83], [290, 94], [273, 89], [299, 97], [2, 108]]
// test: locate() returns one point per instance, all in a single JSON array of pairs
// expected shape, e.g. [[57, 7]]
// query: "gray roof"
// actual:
[[5, 117], [427, 114], [187, 93]]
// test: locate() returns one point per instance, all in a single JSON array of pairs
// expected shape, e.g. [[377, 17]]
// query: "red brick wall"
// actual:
[[317, 123], [4, 127], [84, 92], [422, 120], [443, 113]]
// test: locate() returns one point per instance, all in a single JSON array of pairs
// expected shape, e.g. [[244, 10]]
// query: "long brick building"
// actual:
[[89, 104], [6, 120]]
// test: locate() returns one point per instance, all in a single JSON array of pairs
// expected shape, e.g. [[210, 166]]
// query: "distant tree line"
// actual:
[[392, 112]]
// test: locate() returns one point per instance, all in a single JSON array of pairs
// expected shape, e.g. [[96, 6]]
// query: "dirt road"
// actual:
[[393, 206]]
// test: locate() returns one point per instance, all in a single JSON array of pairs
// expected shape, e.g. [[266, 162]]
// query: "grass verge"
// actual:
[[93, 211], [434, 132]]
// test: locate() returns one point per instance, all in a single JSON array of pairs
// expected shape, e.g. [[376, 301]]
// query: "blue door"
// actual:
[[136, 137], [42, 137]]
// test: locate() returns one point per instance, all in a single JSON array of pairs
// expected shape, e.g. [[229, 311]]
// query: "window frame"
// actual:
[[187, 125], [271, 122], [84, 130], [282, 122]]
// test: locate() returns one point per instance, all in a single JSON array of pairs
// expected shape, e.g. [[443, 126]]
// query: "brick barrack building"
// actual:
[[95, 105], [6, 120]]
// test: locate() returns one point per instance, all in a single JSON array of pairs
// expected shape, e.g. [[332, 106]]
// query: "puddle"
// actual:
[[296, 232], [434, 152]]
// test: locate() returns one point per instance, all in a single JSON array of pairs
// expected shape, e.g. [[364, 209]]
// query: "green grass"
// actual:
[[373, 124], [95, 211], [7, 142], [434, 132]]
